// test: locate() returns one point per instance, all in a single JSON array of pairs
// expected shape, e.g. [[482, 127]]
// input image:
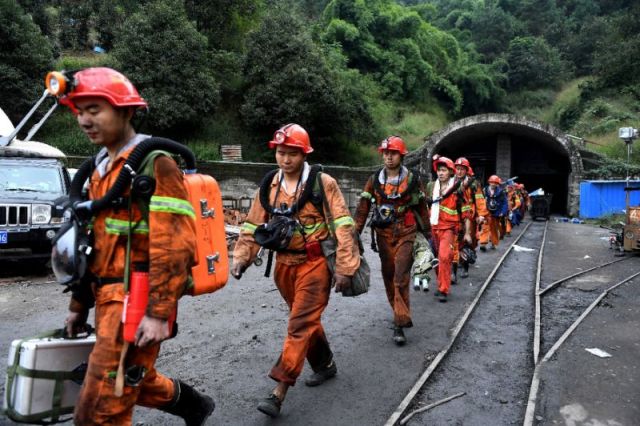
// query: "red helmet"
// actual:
[[437, 160], [103, 83], [494, 179], [463, 162], [393, 143], [292, 135], [470, 172]]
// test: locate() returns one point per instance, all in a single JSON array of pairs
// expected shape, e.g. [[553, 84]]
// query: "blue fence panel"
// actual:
[[603, 197]]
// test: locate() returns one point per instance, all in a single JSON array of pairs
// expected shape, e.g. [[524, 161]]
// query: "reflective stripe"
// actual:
[[343, 221], [310, 229], [121, 227], [366, 195], [479, 196], [466, 208], [171, 205], [249, 228], [448, 210]]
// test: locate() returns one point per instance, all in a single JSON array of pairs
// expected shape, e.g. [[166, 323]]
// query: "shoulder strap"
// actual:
[[147, 169], [307, 192]]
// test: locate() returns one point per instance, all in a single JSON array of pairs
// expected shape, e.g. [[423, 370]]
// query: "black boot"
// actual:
[[454, 273], [465, 270], [193, 406], [321, 376], [398, 336]]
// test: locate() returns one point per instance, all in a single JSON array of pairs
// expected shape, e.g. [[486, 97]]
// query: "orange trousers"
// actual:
[[444, 239], [490, 228], [97, 404], [396, 259], [305, 288]]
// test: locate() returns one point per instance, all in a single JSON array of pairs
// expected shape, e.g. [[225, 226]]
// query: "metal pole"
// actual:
[[5, 140]]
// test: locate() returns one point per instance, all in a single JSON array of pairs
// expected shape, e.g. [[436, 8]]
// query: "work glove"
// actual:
[[341, 282], [238, 269]]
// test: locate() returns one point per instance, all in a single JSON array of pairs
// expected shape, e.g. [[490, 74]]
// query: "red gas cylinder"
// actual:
[[135, 305]]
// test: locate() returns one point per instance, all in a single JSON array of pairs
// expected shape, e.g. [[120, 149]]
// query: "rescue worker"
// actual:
[[497, 206], [479, 213], [104, 102], [399, 210], [526, 201], [301, 273], [450, 216], [514, 203]]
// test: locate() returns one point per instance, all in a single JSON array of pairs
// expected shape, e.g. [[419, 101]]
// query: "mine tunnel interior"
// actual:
[[538, 160]]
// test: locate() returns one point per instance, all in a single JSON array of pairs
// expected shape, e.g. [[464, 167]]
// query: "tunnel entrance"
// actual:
[[539, 155]]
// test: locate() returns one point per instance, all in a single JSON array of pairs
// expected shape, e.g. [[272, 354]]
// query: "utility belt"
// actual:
[[386, 214]]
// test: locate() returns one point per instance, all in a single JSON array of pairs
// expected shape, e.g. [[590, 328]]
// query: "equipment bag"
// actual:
[[211, 269], [44, 376], [361, 278]]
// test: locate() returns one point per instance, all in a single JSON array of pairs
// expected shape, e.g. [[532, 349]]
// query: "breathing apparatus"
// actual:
[[72, 246]]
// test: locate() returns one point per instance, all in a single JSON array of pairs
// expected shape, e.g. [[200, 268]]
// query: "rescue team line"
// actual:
[[399, 411], [142, 233]]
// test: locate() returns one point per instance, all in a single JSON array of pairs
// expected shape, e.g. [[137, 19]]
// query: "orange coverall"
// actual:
[[303, 283], [474, 194], [395, 242], [166, 244], [445, 232], [514, 204], [492, 227]]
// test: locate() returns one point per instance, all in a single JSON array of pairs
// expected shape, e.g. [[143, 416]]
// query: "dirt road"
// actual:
[[229, 340]]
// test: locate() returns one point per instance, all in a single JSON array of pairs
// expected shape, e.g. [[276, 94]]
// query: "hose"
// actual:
[[127, 172]]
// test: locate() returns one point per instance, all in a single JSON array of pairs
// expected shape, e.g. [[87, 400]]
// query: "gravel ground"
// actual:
[[229, 340]]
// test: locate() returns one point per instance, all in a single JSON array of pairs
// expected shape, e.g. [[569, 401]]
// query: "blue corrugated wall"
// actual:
[[603, 197]]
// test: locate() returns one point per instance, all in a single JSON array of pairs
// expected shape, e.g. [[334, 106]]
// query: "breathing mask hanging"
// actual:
[[72, 247], [383, 216], [277, 233]]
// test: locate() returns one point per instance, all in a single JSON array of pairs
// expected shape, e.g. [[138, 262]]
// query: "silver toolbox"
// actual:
[[44, 376]]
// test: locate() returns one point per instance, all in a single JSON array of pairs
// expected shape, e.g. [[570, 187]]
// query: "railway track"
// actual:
[[489, 372]]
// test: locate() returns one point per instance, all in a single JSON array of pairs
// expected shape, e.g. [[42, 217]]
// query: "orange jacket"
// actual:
[[449, 214], [166, 243], [314, 223], [514, 199], [475, 194], [413, 204]]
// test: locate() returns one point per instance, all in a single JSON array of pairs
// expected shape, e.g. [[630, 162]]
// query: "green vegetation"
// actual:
[[350, 71]]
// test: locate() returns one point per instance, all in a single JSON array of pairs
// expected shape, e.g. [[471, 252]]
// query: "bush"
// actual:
[[167, 59], [290, 78], [25, 58]]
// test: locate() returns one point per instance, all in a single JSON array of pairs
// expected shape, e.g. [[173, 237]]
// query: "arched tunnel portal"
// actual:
[[508, 145]]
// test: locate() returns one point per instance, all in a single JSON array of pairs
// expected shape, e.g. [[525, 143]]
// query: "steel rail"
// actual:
[[535, 381], [561, 280], [538, 323], [397, 414]]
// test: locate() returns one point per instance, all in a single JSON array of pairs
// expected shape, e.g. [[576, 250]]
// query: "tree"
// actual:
[[411, 59], [616, 53], [290, 78], [163, 54], [225, 22], [533, 64], [25, 58]]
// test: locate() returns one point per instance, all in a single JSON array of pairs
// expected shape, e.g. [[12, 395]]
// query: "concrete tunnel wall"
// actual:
[[509, 145]]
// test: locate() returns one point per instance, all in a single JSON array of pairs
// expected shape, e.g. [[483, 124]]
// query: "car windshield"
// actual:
[[30, 179]]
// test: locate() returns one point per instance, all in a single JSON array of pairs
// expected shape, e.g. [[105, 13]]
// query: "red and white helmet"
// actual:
[[393, 143], [495, 179], [104, 83], [292, 135], [463, 162], [437, 160]]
